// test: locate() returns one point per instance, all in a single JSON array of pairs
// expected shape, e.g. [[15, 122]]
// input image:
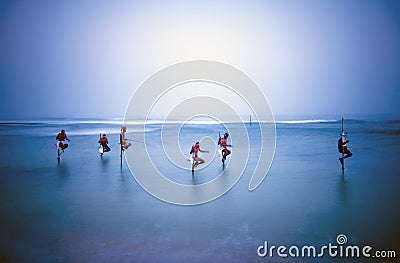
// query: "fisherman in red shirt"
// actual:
[[61, 137], [104, 143], [223, 143], [196, 159]]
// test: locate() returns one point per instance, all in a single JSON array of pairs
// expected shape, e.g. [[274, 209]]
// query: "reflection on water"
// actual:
[[342, 189], [62, 169]]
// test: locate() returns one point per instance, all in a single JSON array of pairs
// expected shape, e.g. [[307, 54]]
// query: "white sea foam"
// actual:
[[305, 121]]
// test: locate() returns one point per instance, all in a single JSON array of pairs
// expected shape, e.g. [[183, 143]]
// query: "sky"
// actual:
[[61, 59]]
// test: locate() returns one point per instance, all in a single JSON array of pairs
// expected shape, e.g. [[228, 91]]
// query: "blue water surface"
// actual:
[[89, 209]]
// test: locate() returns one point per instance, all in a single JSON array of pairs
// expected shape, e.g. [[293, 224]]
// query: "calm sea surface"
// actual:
[[88, 209]]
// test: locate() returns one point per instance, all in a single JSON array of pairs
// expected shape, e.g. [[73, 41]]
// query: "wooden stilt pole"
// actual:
[[101, 154], [122, 147], [342, 146]]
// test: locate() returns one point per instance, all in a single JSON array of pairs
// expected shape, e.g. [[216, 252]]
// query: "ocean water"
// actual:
[[89, 209]]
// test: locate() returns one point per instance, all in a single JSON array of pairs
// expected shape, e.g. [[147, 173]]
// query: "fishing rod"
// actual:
[[135, 140], [131, 140], [362, 148]]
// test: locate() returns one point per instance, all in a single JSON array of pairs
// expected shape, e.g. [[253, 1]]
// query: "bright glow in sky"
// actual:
[[186, 91], [86, 58]]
